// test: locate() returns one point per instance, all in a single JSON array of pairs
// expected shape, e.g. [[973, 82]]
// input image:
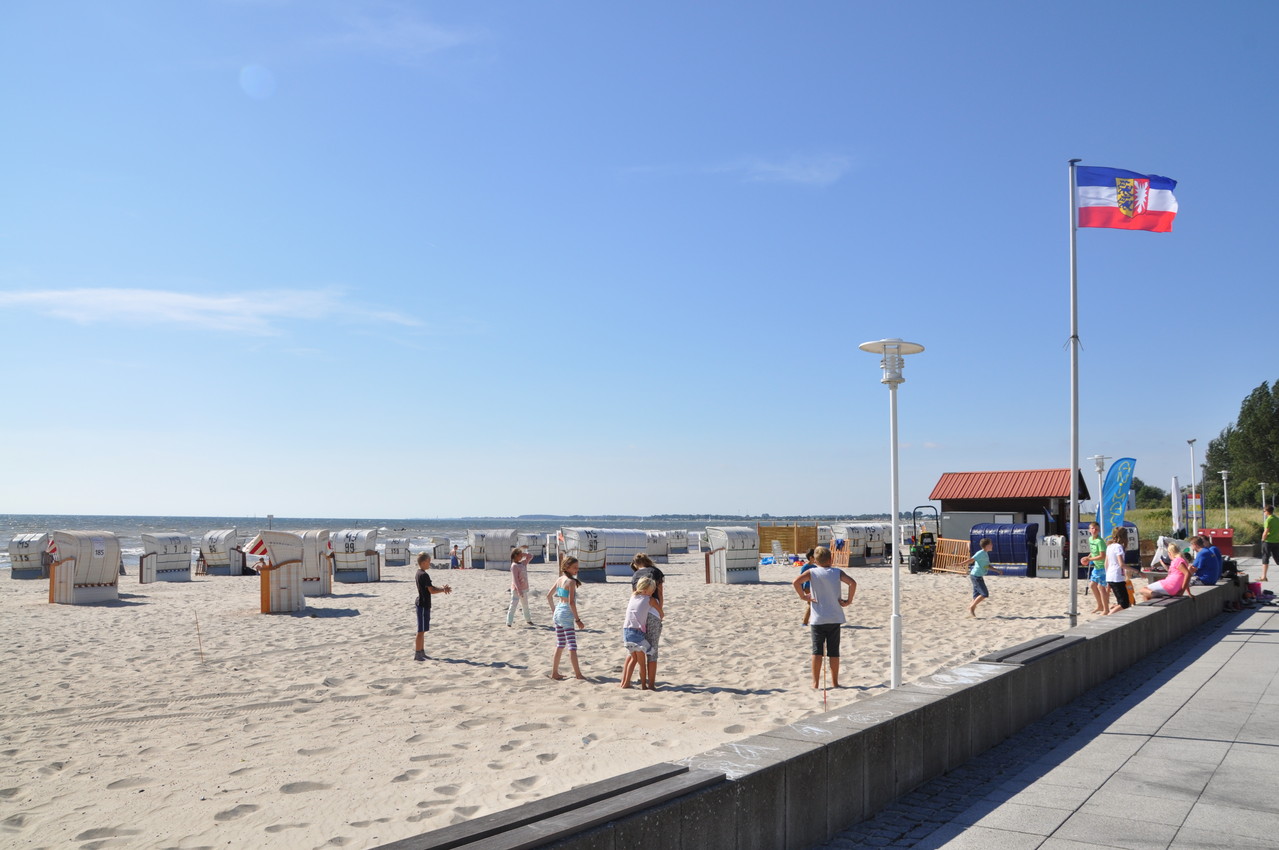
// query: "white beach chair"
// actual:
[[85, 567]]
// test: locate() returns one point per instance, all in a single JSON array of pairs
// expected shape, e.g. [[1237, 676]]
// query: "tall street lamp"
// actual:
[[1263, 495], [892, 352], [1225, 494], [1100, 461], [1194, 529]]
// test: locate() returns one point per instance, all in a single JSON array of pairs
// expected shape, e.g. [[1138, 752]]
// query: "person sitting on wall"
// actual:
[[1207, 566]]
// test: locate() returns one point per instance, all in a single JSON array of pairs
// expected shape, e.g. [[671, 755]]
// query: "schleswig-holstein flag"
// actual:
[[1112, 197]]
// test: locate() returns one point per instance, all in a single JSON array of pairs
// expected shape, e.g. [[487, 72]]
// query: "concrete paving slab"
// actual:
[[1168, 809], [1126, 832], [1050, 796], [1063, 844], [957, 837], [1207, 753], [1199, 839], [1019, 817], [1234, 821]]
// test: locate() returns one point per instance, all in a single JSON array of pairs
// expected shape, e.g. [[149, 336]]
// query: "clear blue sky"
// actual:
[[439, 259]]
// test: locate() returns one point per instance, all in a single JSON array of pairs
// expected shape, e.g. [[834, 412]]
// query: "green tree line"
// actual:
[[1249, 449]]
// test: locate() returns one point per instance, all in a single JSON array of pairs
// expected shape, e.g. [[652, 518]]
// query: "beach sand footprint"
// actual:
[[237, 812], [280, 827], [100, 832], [531, 727], [525, 783], [9, 793], [315, 751], [735, 729], [447, 790], [128, 782], [303, 787], [547, 758], [411, 773]]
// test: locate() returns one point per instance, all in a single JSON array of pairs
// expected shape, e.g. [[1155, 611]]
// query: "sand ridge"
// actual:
[[318, 729]]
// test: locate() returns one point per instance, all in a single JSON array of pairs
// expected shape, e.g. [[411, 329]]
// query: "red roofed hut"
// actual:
[[1022, 495]]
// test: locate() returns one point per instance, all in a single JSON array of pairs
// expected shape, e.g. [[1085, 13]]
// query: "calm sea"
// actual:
[[131, 528]]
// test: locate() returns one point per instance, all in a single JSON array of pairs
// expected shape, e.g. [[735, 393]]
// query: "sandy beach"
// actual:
[[318, 729]]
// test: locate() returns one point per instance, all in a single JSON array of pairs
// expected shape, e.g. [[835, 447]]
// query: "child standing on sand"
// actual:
[[977, 575], [825, 597], [643, 567], [519, 585], [1096, 559], [562, 597], [423, 603], [633, 632]]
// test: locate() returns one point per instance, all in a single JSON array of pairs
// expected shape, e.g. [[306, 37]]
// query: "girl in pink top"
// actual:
[[1177, 581], [519, 585]]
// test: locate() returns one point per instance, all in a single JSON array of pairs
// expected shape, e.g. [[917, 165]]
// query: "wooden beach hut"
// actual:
[[29, 556], [280, 573], [475, 556], [587, 545], [621, 546], [355, 556], [734, 554], [848, 544], [677, 541], [317, 561], [395, 552], [658, 547], [535, 543], [85, 567], [165, 557], [439, 549], [498, 543], [221, 553]]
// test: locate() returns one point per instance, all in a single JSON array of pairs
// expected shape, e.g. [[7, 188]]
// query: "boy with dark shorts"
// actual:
[[827, 604], [423, 604], [1269, 541], [977, 575]]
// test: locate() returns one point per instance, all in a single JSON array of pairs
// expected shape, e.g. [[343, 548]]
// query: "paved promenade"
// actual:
[[1179, 751]]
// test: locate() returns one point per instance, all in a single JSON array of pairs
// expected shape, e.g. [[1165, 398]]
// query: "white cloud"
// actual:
[[809, 170], [253, 313], [396, 33]]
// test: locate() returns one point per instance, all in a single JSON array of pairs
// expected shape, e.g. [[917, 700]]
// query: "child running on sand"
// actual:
[[423, 604], [519, 584], [977, 575], [633, 629], [827, 603], [562, 597]]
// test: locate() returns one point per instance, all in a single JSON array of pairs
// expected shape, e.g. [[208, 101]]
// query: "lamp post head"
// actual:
[[892, 352], [1225, 473], [1191, 443]]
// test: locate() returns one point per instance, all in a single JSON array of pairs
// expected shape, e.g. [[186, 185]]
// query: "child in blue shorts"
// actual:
[[977, 575]]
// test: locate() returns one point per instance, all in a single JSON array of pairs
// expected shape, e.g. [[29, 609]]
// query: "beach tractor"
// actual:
[[923, 544], [922, 552]]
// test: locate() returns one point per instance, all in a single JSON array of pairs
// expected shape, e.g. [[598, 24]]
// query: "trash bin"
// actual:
[[1222, 538]]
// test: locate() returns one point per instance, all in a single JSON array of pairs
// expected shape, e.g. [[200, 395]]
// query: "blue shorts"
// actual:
[[635, 641], [423, 618], [1098, 575], [979, 586]]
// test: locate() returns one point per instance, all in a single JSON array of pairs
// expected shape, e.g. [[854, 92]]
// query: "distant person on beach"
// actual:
[[519, 585], [977, 575], [562, 597], [634, 627], [1177, 582], [643, 567], [826, 600], [1269, 540], [1116, 570], [424, 591], [808, 564], [455, 560], [1096, 559]]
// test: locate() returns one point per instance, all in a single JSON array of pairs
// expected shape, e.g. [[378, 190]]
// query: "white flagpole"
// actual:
[[1073, 558]]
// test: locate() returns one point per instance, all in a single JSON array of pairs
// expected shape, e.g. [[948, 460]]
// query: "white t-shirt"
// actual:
[[1115, 563]]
